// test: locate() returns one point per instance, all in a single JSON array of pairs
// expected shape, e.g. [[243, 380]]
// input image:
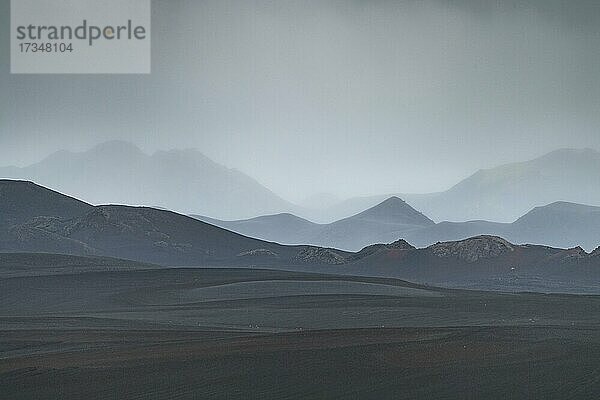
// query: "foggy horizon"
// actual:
[[302, 198], [335, 97]]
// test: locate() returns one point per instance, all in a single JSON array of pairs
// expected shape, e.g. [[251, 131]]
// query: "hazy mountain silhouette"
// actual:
[[181, 180], [559, 224], [505, 193], [385, 222], [500, 194], [393, 211], [343, 209], [282, 228]]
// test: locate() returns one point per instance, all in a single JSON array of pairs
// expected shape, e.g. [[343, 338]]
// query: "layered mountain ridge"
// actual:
[[163, 237], [559, 224], [180, 180]]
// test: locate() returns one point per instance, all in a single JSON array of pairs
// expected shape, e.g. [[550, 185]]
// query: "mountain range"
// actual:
[[182, 180], [189, 182], [500, 194], [36, 219], [559, 224], [482, 262], [39, 220], [384, 223]]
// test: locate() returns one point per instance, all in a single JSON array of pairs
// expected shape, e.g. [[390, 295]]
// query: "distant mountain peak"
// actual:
[[395, 210], [559, 212], [392, 200], [473, 249]]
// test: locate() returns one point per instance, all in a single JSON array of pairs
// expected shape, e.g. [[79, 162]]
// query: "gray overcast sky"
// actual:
[[347, 97]]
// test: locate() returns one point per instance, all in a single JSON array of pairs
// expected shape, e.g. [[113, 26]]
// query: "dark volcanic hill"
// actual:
[[181, 180], [55, 223], [383, 223], [21, 201]]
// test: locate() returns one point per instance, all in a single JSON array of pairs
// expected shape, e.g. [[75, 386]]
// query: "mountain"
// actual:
[[61, 224], [559, 224], [136, 233], [505, 193], [500, 194], [182, 180], [385, 222], [483, 262], [21, 201], [393, 211], [282, 228], [451, 231], [328, 212]]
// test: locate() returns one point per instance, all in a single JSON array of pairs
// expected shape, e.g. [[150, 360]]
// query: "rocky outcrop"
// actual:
[[473, 249], [400, 245], [258, 253], [319, 255], [576, 253]]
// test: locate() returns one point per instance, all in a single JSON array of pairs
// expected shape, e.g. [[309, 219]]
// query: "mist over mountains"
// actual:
[[505, 193], [560, 224], [187, 181], [500, 194], [384, 223], [180, 180]]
